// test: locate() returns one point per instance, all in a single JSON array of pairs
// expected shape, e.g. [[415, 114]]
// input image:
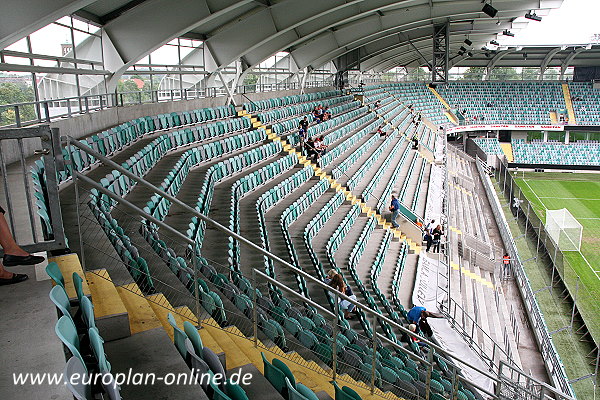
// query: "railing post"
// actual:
[[196, 284], [335, 334], [47, 111], [454, 383], [17, 116], [87, 105], [254, 309], [374, 362], [429, 372]]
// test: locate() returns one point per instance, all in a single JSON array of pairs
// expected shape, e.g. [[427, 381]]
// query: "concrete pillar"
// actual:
[[567, 137], [545, 133]]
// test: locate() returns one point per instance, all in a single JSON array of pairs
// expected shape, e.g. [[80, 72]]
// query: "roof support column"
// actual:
[[441, 49]]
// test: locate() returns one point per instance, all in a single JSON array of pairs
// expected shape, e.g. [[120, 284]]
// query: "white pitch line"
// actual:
[[563, 198]]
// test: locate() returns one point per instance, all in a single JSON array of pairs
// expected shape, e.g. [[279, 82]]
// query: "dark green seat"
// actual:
[[274, 375]]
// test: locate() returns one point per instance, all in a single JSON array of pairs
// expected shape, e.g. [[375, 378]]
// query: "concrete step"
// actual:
[[112, 317], [151, 352]]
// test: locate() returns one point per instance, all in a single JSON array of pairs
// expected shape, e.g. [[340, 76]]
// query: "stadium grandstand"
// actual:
[[298, 200]]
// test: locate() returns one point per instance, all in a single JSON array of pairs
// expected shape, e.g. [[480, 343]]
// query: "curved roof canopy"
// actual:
[[365, 34]]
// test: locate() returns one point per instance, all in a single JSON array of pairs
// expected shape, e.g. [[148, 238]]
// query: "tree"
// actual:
[[11, 93], [417, 74], [474, 74], [131, 92], [250, 81], [504, 74], [531, 74]]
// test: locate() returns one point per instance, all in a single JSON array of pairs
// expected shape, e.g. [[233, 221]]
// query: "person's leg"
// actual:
[[7, 241], [8, 278], [394, 217]]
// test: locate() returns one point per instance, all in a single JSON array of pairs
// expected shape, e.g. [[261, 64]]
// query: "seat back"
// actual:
[[197, 364], [78, 284], [54, 272], [97, 344], [293, 394], [274, 375], [87, 311], [194, 337], [179, 336], [76, 367], [61, 300], [277, 363], [67, 333]]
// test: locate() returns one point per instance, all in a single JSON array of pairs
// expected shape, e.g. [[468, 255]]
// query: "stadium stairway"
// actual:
[[150, 329], [336, 185], [474, 287], [569, 104], [447, 112], [508, 152]]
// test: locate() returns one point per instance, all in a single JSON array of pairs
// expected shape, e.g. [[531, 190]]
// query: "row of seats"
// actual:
[[351, 141], [555, 153], [586, 103], [247, 184], [395, 177], [303, 109], [159, 207], [490, 146], [364, 168], [222, 170], [505, 102], [267, 201], [76, 328], [101, 204], [267, 104]]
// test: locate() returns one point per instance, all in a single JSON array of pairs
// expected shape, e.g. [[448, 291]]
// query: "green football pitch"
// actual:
[[580, 194]]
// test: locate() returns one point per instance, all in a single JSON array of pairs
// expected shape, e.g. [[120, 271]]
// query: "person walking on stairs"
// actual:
[[395, 209], [13, 255]]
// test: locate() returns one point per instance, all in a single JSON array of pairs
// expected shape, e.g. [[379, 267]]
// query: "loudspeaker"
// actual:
[[468, 42], [489, 10]]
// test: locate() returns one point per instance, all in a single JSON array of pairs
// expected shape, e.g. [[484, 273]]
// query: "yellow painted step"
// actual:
[[162, 307], [234, 355], [105, 297], [141, 315], [247, 346], [68, 264], [256, 124]]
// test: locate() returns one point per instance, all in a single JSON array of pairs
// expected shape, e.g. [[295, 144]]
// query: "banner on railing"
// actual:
[[505, 127]]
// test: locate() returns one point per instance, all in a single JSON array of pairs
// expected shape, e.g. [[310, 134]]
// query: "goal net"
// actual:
[[564, 229]]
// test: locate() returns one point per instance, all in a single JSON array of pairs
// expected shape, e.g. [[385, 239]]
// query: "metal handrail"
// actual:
[[76, 144]]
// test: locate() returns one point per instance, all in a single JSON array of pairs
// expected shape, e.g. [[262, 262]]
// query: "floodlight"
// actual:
[[489, 10], [460, 53], [533, 16], [470, 54], [468, 42], [462, 48], [495, 43], [508, 33]]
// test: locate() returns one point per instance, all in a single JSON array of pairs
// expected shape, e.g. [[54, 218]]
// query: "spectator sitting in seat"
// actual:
[[13, 255], [320, 145], [337, 282], [413, 329]]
